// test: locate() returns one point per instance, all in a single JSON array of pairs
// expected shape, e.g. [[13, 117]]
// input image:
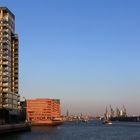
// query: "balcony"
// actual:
[[5, 74], [3, 20], [5, 79], [16, 91], [15, 96], [5, 62], [4, 41], [16, 71], [16, 62], [16, 58], [15, 107], [5, 47], [5, 57], [5, 90], [0, 105], [16, 76], [8, 106], [4, 35], [5, 96], [6, 69], [5, 105], [5, 25], [16, 46], [15, 55], [0, 100], [16, 86], [16, 81], [5, 85], [4, 30], [5, 101], [16, 66], [5, 52]]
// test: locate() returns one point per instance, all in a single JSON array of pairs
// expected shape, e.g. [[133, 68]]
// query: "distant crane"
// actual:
[[112, 112], [124, 114], [67, 113], [117, 112], [106, 115]]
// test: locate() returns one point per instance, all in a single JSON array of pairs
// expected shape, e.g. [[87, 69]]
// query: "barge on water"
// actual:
[[126, 119]]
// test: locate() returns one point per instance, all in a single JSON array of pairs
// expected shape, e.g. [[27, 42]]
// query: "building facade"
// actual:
[[43, 109], [9, 96]]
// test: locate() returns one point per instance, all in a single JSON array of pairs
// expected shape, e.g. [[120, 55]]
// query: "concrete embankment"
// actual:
[[14, 128]]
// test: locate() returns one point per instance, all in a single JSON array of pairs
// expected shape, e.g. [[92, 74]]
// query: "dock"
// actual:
[[8, 128], [127, 119]]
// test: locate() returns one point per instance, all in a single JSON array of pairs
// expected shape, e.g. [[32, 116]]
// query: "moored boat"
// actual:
[[106, 119], [107, 122], [84, 120]]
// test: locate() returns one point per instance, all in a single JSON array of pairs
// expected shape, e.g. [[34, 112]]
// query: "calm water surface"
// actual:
[[93, 130]]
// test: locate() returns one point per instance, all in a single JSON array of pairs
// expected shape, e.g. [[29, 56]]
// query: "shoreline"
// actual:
[[8, 128]]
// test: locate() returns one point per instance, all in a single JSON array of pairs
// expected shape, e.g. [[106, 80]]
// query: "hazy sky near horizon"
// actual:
[[84, 52]]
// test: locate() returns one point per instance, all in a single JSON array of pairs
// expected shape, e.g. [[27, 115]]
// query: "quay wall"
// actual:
[[127, 119], [14, 128]]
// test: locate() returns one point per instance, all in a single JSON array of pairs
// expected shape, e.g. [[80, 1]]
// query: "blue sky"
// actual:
[[85, 52]]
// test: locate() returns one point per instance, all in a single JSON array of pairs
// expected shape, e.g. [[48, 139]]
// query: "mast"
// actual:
[[124, 111], [106, 116], [112, 111], [117, 112]]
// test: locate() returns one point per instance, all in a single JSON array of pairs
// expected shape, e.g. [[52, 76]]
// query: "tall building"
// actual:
[[9, 96]]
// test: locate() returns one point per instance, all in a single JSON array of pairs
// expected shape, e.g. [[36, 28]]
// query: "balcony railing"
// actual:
[[5, 90]]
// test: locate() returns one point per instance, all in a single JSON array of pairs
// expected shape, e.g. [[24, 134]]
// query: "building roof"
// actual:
[[5, 8]]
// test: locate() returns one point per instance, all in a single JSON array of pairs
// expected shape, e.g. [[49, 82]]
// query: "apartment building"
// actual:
[[9, 96], [42, 109]]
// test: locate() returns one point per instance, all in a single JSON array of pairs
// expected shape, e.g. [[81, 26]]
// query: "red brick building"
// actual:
[[42, 109]]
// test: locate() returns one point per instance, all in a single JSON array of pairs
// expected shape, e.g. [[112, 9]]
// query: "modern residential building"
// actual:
[[9, 96], [43, 111]]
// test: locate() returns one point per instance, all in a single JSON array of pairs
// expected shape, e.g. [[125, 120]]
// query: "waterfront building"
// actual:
[[43, 110], [9, 96]]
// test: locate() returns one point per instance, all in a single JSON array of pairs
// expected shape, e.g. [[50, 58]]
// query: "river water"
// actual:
[[92, 130]]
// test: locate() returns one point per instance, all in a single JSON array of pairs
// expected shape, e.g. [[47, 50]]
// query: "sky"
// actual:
[[84, 52]]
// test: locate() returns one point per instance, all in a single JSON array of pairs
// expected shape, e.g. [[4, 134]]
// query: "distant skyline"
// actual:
[[84, 52]]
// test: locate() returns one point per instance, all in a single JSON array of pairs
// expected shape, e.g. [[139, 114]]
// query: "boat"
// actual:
[[107, 122], [84, 120], [106, 119]]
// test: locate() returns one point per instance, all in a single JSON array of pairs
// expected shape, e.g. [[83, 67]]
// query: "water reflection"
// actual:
[[80, 131]]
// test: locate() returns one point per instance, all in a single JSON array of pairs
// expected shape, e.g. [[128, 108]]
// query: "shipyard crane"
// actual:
[[111, 111], [117, 112], [124, 111]]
